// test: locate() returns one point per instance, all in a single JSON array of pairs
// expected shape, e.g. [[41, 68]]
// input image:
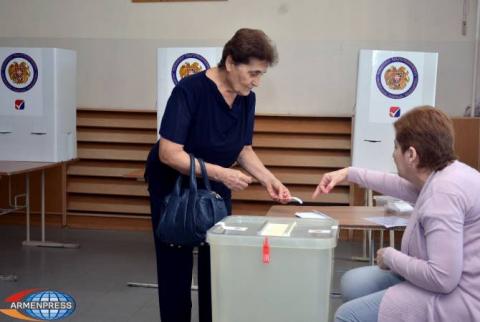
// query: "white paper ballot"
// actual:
[[390, 221], [274, 229], [271, 229], [233, 228], [312, 215]]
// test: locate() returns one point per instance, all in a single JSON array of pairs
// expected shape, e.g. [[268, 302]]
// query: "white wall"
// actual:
[[318, 42]]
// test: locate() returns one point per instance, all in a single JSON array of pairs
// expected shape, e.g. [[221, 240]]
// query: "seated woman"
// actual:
[[435, 276]]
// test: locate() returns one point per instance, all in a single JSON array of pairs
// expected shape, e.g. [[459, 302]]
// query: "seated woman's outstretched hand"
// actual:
[[330, 180]]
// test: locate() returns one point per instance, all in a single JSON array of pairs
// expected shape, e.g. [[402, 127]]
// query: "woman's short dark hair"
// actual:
[[430, 132], [247, 44]]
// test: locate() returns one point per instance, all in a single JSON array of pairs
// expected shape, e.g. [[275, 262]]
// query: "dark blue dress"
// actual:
[[197, 117]]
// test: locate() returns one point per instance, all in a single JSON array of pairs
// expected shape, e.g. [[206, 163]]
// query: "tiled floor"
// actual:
[[96, 274]]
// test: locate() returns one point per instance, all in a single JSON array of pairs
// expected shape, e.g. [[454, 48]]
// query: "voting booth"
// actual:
[[389, 84], [38, 104], [271, 269], [173, 64]]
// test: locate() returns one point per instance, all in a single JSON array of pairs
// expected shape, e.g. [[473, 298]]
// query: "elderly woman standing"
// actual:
[[435, 277], [210, 115]]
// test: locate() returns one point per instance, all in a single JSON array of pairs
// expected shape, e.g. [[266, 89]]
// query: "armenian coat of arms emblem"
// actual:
[[397, 77], [188, 64], [19, 72]]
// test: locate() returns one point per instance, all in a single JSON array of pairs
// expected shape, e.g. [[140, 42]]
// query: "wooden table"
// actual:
[[348, 217], [352, 217]]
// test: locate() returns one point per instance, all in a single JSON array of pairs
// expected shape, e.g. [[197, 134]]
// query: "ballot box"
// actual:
[[38, 104], [271, 269]]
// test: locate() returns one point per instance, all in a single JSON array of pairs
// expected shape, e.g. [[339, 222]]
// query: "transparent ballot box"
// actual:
[[271, 269]]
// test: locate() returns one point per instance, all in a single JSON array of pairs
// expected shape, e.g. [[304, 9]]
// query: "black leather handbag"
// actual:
[[189, 212]]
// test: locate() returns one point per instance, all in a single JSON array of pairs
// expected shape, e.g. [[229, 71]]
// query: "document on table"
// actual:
[[390, 221], [274, 229]]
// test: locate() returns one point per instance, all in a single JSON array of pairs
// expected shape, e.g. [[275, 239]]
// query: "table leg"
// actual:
[[64, 194], [371, 257], [392, 238], [364, 246], [42, 199], [43, 243], [364, 257], [27, 204]]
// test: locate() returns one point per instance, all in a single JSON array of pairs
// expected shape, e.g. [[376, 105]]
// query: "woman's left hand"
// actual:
[[278, 191], [380, 259]]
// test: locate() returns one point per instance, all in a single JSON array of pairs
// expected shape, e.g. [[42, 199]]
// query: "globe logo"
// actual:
[[40, 305], [51, 314]]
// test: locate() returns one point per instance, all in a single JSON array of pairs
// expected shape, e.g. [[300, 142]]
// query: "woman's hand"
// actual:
[[380, 259], [234, 179], [277, 191], [330, 180]]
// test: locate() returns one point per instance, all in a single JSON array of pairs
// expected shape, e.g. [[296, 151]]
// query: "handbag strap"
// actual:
[[193, 178], [206, 182], [193, 181]]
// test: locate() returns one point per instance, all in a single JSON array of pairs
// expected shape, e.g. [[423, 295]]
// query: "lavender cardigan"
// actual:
[[440, 253]]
